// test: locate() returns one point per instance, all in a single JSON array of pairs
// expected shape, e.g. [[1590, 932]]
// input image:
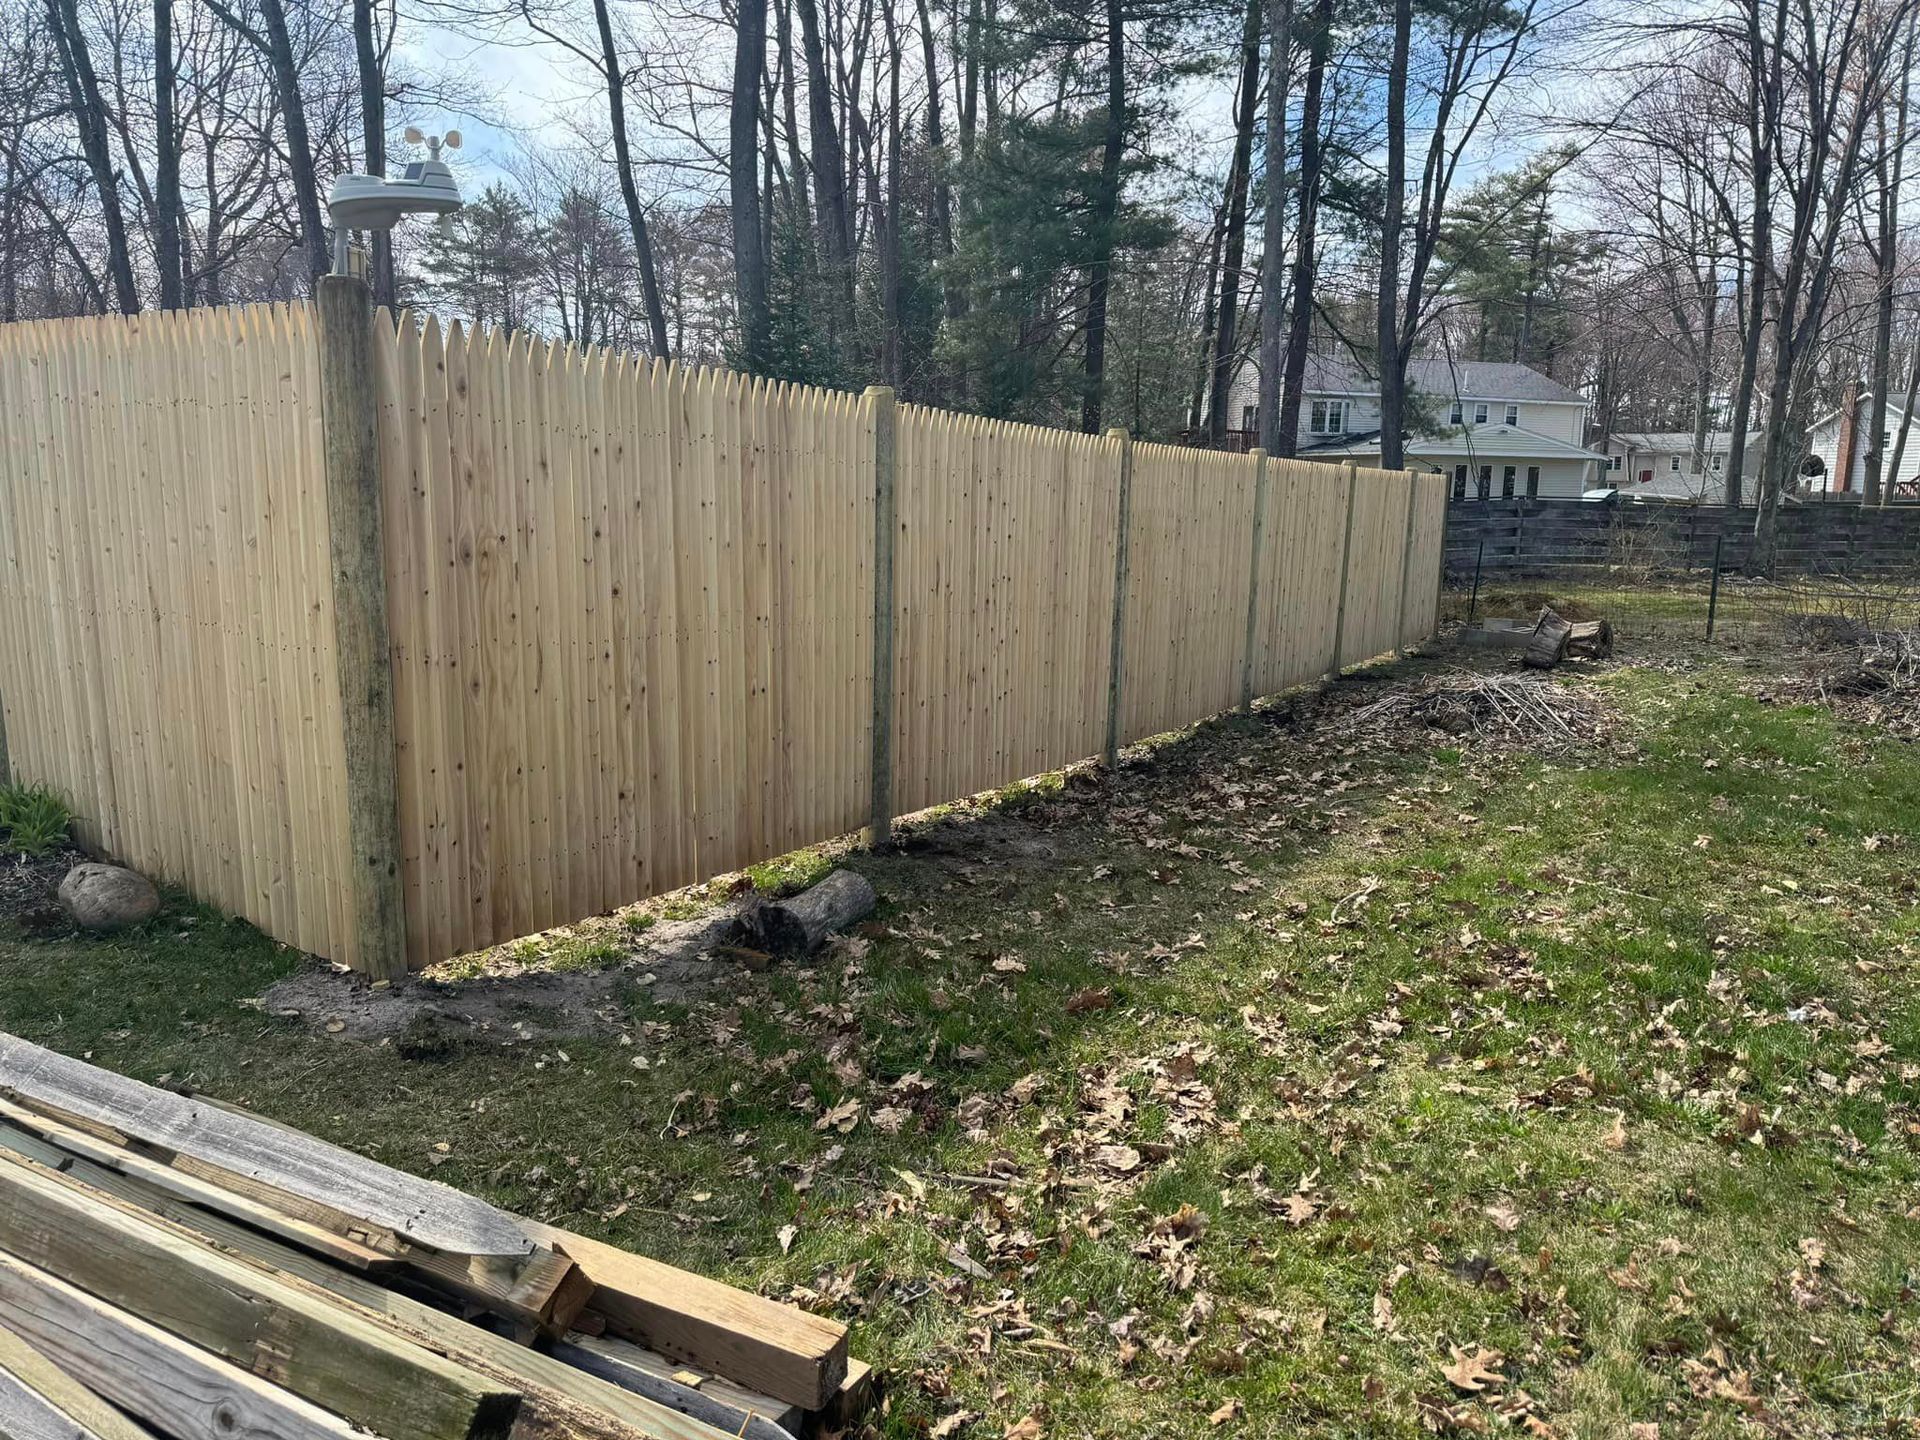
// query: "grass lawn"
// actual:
[[1305, 1086]]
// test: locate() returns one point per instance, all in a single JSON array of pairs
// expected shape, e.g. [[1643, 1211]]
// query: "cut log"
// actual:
[[41, 1401], [179, 1389], [1549, 644], [779, 1350], [257, 1320], [801, 923], [1592, 639], [260, 1160], [715, 1400]]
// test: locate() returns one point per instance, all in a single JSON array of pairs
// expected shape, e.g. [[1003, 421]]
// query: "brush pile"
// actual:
[[1518, 710], [1875, 681]]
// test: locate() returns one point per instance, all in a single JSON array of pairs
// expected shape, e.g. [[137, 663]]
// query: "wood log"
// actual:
[[1592, 639], [800, 924], [1549, 644], [257, 1320], [41, 1401], [245, 1153], [179, 1389]]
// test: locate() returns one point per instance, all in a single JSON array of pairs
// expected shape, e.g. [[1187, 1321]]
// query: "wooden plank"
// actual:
[[716, 1400], [41, 1401], [179, 1389], [363, 640], [1116, 640], [258, 1321], [780, 1350], [885, 532], [231, 1146]]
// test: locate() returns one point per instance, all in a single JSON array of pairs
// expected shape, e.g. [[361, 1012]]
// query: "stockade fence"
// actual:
[[400, 643]]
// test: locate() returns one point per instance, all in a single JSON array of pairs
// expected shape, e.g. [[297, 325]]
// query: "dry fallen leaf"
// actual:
[[1083, 1001], [1616, 1138], [787, 1233], [949, 1425], [1226, 1412], [1505, 1216], [1472, 1372], [1121, 1159], [1027, 1428]]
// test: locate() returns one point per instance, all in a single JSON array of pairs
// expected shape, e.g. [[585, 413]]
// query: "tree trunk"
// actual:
[[1906, 423], [293, 119], [1391, 365], [1763, 81], [1239, 183], [828, 158], [615, 77], [90, 120], [1888, 165], [1106, 214], [1307, 209], [1273, 235], [373, 133], [743, 185], [1209, 317], [166, 166]]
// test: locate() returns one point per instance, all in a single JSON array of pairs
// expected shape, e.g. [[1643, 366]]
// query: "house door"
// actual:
[[1646, 477]]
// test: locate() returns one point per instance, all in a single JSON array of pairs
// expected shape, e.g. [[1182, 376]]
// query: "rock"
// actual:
[[106, 898]]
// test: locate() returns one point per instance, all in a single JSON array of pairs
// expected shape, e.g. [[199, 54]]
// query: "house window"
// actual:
[[1246, 417], [1486, 482], [1719, 462], [1673, 464], [1513, 414], [1328, 417], [1506, 481], [1613, 462], [1459, 414], [1459, 482], [1533, 481], [1480, 413]]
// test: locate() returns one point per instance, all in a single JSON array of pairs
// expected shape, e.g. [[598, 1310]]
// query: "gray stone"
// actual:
[[105, 898]]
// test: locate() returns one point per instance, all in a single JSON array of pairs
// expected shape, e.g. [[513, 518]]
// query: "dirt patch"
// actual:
[[674, 961], [27, 890]]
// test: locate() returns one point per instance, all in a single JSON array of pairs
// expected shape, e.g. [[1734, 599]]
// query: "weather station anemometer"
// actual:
[[376, 203]]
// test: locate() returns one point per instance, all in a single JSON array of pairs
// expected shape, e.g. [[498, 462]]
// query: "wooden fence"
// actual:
[[634, 612]]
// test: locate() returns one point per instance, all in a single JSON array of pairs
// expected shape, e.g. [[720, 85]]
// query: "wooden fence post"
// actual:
[[1440, 570], [1406, 566], [1116, 644], [350, 419], [885, 528], [1346, 556], [6, 764], [1253, 578]]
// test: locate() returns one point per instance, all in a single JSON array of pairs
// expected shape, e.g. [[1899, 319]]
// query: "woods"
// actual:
[[1077, 213]]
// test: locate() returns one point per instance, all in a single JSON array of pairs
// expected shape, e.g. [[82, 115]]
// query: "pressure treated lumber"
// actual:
[[349, 409], [41, 1401], [558, 1402], [257, 1320], [231, 1146], [885, 532], [715, 1400], [179, 1389], [779, 1350]]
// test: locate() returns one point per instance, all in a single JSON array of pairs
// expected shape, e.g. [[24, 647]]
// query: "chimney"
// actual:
[[1843, 450]]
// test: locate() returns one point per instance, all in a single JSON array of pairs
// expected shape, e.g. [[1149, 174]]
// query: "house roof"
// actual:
[[1676, 440], [1467, 379], [1895, 411], [1466, 442]]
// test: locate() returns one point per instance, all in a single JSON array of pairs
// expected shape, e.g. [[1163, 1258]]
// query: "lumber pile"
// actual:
[[174, 1267]]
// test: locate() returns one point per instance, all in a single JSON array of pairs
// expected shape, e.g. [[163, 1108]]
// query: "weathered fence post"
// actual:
[[1713, 609], [1473, 600], [1253, 575], [1440, 570], [885, 530], [1346, 556], [6, 765], [1406, 567], [1116, 644], [350, 419]]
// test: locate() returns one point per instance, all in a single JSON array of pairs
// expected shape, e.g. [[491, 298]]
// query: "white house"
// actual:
[[1661, 463], [1498, 429], [1837, 445]]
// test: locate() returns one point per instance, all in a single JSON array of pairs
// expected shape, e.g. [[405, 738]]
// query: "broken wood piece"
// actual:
[[180, 1390], [234, 1148], [1548, 647], [717, 1401], [259, 1321], [850, 1403], [40, 1401], [801, 923], [778, 1350]]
